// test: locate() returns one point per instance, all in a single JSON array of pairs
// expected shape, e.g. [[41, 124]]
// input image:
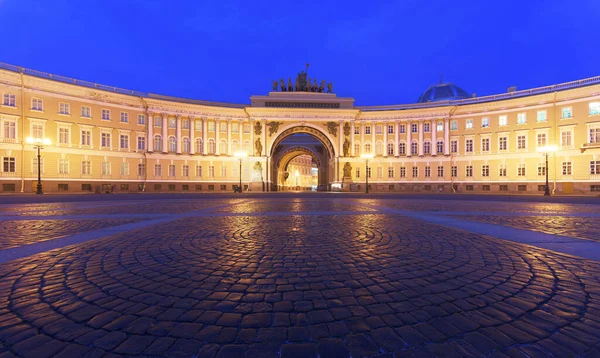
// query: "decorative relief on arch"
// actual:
[[273, 127], [332, 128], [309, 130]]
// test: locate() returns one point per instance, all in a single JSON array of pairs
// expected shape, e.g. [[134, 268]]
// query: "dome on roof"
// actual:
[[443, 92]]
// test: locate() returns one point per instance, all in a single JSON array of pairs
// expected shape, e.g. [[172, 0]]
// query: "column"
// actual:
[[362, 137], [352, 139], [150, 139], [192, 135], [408, 139], [229, 137], [217, 130], [341, 139], [204, 139], [165, 138], [178, 134], [252, 152], [373, 137], [385, 139], [397, 138], [446, 137], [264, 126], [241, 135], [434, 137], [420, 138]]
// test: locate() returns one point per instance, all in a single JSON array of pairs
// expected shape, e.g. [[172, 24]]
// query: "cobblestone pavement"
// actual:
[[287, 281]]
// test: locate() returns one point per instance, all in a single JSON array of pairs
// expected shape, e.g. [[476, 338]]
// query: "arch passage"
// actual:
[[320, 136]]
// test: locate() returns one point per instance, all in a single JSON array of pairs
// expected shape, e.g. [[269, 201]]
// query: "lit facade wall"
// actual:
[[137, 142]]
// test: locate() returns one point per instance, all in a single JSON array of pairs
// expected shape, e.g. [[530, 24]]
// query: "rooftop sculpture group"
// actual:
[[302, 84]]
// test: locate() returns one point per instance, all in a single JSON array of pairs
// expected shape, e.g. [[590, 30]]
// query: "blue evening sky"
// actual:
[[379, 52]]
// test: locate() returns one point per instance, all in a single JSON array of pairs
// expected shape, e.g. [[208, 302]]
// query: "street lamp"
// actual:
[[366, 157], [546, 150], [38, 143], [241, 156], [297, 174]]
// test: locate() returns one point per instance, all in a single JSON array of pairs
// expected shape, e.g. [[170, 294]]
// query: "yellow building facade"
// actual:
[[103, 137]]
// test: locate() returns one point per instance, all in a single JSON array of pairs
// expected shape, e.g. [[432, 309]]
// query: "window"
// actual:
[[223, 147], [34, 163], [414, 148], [402, 149], [485, 170], [172, 122], [595, 167], [157, 170], [402, 172], [469, 187], [440, 126], [124, 141], [454, 146], [358, 172], [428, 172], [521, 142], [567, 168], [469, 146], [453, 125], [521, 170], [541, 139], [390, 129], [469, 171], [521, 118], [37, 130], [378, 129], [86, 137], [172, 144], [198, 171], [105, 140], [223, 127], [211, 171], [186, 145], [211, 146], [379, 172], [502, 170], [485, 122], [541, 169], [440, 146], [141, 143], [86, 167], [414, 128], [356, 130], [105, 168], [141, 119], [440, 171], [402, 128], [63, 135], [503, 187], [426, 127], [9, 165], [390, 148], [427, 147], [246, 128], [485, 144], [106, 114], [10, 130], [469, 124], [64, 108], [367, 129], [124, 169], [199, 146], [566, 112], [37, 104], [9, 100], [185, 171], [390, 172], [158, 121], [158, 143], [502, 143], [357, 149], [595, 135], [171, 170], [185, 124], [594, 108], [542, 116], [415, 172], [565, 139], [124, 117], [86, 111], [141, 169], [454, 171], [502, 120]]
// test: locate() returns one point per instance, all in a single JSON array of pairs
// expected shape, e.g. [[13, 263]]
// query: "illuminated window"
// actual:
[[185, 124], [171, 170], [124, 169], [453, 125], [86, 167], [105, 169], [541, 169], [542, 116], [368, 147], [378, 129], [212, 149], [172, 144], [566, 112], [390, 148], [502, 120], [86, 137], [9, 165], [485, 122], [198, 171], [10, 130], [223, 147], [186, 145], [158, 143], [565, 139], [567, 168], [223, 127], [541, 139], [158, 121], [63, 135], [594, 108], [185, 171], [199, 147], [356, 149], [469, 124], [235, 127], [172, 122], [440, 126], [211, 126], [594, 135], [211, 171], [157, 170], [37, 130], [379, 148], [64, 108], [521, 118], [246, 128]]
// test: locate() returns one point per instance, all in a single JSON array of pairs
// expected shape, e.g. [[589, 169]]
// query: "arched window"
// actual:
[[186, 145], [356, 149], [223, 147], [199, 147], [368, 147], [247, 148], [235, 146], [158, 143], [414, 147], [390, 148], [211, 146], [427, 147], [402, 148], [378, 148], [172, 144], [440, 146]]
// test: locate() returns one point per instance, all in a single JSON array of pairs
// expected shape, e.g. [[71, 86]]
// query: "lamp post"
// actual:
[[38, 144], [297, 174], [366, 157], [546, 150], [241, 156]]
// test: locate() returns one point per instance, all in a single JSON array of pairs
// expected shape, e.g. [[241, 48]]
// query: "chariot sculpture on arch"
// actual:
[[302, 83]]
